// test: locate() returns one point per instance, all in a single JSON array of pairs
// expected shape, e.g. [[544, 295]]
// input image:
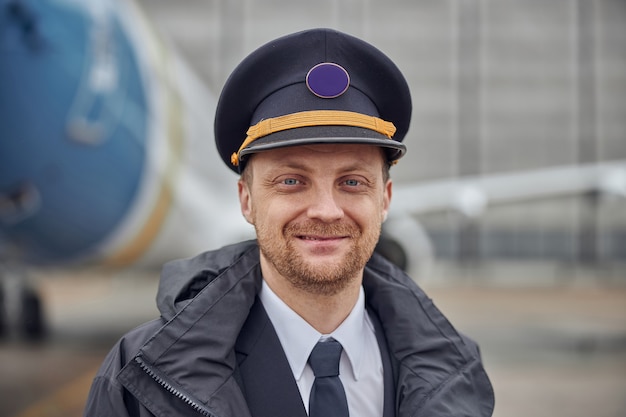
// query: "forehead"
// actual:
[[338, 156]]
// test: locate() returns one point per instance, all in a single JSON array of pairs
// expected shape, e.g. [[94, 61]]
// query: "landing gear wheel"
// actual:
[[31, 321], [3, 315]]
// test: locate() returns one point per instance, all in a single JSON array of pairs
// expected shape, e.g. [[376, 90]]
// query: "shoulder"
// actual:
[[107, 396], [439, 370], [126, 348]]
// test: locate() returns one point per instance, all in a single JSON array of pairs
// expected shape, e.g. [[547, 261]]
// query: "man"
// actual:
[[305, 320]]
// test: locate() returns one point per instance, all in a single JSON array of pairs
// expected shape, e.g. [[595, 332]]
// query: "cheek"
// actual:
[[367, 214], [263, 215]]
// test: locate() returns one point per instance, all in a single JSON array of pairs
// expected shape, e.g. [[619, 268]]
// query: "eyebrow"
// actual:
[[295, 164]]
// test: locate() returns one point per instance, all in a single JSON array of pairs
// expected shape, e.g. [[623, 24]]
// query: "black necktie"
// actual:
[[328, 398]]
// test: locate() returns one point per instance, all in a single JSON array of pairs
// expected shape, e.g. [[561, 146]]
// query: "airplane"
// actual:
[[107, 156]]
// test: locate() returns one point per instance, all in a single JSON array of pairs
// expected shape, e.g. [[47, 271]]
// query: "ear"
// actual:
[[386, 199], [245, 201]]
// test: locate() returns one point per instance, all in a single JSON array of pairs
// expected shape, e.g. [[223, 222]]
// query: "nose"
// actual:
[[325, 206]]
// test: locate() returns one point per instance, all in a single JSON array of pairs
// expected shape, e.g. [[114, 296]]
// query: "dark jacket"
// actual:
[[202, 356]]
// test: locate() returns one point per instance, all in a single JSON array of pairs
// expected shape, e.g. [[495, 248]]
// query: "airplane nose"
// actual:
[[73, 129]]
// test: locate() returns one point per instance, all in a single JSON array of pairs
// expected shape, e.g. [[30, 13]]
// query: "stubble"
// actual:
[[318, 278]]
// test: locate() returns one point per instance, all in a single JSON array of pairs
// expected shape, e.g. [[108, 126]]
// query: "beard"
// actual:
[[319, 278]]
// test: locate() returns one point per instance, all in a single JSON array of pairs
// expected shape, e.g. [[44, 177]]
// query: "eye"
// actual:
[[291, 181], [352, 182]]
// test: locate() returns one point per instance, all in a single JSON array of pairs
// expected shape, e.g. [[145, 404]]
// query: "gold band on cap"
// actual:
[[313, 118]]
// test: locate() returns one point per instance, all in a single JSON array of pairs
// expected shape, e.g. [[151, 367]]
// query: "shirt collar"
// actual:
[[298, 338]]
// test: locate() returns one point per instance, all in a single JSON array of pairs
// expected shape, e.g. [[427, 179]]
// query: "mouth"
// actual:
[[323, 244], [320, 238]]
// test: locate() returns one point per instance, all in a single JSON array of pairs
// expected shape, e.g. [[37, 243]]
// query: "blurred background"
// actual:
[[498, 86], [514, 184]]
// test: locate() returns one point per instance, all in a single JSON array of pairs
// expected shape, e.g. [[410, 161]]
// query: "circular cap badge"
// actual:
[[327, 80]]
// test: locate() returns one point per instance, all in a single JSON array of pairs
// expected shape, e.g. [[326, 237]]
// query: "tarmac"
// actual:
[[553, 345]]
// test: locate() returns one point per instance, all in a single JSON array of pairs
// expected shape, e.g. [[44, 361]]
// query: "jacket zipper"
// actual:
[[174, 391]]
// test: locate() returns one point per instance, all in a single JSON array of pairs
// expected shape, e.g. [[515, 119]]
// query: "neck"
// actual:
[[323, 312]]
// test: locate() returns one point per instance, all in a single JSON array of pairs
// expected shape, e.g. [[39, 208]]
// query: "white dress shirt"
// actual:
[[360, 367]]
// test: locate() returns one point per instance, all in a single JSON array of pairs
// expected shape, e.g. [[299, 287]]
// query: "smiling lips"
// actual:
[[322, 244], [321, 238]]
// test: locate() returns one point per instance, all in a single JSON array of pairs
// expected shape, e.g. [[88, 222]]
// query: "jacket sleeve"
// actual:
[[107, 396]]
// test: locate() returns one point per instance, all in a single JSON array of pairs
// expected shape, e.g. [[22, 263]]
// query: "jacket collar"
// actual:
[[434, 357], [195, 351]]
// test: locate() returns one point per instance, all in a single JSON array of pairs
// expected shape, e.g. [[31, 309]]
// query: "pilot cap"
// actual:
[[312, 87]]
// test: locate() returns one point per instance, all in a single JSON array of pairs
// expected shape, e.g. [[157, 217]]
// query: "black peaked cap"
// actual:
[[272, 82]]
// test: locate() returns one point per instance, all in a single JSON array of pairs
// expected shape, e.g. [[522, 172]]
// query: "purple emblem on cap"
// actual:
[[328, 80]]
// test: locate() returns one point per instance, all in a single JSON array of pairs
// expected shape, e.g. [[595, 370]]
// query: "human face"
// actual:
[[317, 211]]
